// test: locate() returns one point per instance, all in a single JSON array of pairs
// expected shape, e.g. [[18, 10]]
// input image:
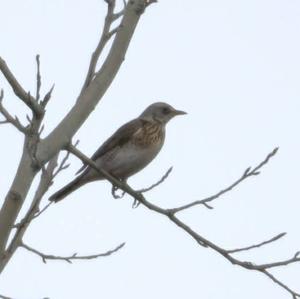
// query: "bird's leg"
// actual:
[[114, 190]]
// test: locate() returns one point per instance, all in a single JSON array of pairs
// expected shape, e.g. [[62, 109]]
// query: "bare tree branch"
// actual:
[[9, 118], [169, 213], [163, 178], [105, 37], [234, 261], [38, 78], [46, 181], [144, 190], [247, 174], [294, 259], [41, 211], [21, 227], [63, 165], [47, 177], [42, 151], [47, 97], [257, 245], [38, 152], [37, 214], [18, 89], [72, 257]]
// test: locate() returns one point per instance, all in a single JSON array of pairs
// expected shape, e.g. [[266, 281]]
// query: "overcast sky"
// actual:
[[234, 67]]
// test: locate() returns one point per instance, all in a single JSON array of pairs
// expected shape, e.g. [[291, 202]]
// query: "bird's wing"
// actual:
[[119, 138]]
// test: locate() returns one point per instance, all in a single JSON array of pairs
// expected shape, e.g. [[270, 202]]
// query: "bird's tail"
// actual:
[[68, 189]]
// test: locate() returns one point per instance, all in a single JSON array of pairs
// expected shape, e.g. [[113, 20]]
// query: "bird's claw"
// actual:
[[114, 189], [135, 204]]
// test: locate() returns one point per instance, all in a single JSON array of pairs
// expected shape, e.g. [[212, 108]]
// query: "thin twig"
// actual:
[[27, 220], [72, 257], [247, 174], [63, 164], [42, 210], [136, 203], [47, 97], [38, 78], [29, 119], [257, 245], [19, 90], [292, 260], [9, 118], [163, 178], [107, 33]]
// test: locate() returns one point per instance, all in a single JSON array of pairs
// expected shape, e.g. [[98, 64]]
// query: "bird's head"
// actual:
[[160, 112]]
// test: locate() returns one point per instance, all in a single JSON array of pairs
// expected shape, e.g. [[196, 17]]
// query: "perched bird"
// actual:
[[128, 150]]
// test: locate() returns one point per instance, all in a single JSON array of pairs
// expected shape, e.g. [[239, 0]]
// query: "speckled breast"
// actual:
[[150, 134]]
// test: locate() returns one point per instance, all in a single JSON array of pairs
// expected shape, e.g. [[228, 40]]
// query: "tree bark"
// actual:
[[15, 199]]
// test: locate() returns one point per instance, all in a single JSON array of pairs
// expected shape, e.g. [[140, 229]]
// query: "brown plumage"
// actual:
[[150, 133], [132, 147]]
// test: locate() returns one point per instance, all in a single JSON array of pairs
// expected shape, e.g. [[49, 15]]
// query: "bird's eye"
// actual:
[[166, 110]]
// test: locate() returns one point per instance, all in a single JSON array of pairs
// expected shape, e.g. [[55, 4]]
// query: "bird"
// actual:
[[131, 148]]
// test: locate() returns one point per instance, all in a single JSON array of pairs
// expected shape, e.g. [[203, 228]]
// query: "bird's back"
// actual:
[[129, 150]]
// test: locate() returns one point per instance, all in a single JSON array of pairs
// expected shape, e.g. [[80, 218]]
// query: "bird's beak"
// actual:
[[178, 112]]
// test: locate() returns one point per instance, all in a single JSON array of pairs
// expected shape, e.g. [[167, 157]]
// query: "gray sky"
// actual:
[[234, 66]]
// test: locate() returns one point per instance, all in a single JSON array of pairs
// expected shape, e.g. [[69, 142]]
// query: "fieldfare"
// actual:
[[128, 150]]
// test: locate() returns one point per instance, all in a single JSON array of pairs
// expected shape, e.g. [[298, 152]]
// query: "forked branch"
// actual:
[[21, 227], [9, 118], [107, 34], [48, 174], [171, 214], [37, 152], [162, 179], [246, 174], [24, 96]]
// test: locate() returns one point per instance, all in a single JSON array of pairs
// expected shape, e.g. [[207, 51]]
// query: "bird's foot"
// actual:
[[114, 190], [135, 204]]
